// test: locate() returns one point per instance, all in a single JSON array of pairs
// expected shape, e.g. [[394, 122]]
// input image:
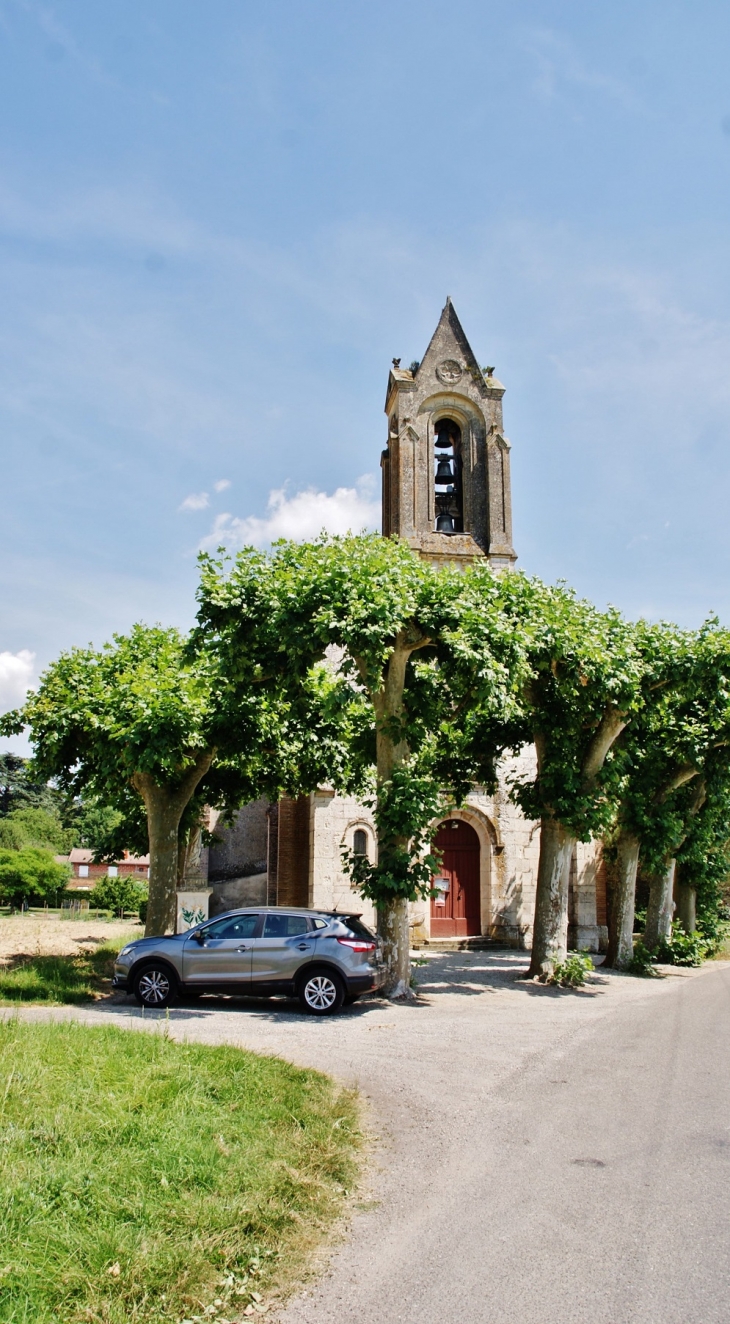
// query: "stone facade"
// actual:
[[444, 416]]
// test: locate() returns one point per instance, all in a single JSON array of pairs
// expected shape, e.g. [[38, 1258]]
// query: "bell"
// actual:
[[445, 523], [444, 473], [443, 435]]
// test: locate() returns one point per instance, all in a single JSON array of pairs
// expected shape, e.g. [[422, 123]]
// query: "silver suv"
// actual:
[[323, 957]]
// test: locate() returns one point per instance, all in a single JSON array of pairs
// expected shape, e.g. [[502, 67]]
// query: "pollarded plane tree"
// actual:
[[703, 859], [135, 716], [149, 726], [584, 683], [675, 749]]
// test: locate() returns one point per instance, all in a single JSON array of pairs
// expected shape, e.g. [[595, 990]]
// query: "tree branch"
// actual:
[[680, 777], [611, 726], [178, 797]]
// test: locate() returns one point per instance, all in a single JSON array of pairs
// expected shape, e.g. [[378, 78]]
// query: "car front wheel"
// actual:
[[154, 986], [321, 992]]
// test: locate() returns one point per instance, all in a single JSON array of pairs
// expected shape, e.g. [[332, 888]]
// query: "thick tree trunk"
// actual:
[[661, 907], [163, 822], [165, 806], [395, 937], [621, 918], [391, 753], [687, 907], [550, 936]]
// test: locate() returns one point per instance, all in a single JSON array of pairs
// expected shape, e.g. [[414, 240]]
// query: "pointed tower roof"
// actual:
[[450, 331]]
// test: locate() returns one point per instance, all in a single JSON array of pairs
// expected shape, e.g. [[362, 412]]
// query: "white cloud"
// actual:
[[561, 65], [16, 670], [222, 484], [196, 501], [302, 516]]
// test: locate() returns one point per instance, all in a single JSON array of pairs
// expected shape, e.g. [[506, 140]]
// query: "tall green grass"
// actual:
[[142, 1179]]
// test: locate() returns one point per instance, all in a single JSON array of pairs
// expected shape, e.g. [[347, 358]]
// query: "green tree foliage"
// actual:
[[673, 766], [138, 716], [106, 831], [585, 673], [30, 874], [703, 858], [150, 728], [125, 892], [29, 826], [19, 789]]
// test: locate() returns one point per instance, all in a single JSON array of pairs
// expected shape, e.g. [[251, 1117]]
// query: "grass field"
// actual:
[[74, 978], [147, 1180]]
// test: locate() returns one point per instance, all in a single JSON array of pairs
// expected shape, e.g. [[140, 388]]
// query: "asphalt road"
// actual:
[[541, 1156], [592, 1185]]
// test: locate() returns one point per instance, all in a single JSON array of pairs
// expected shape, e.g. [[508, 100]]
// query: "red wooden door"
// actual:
[[456, 912]]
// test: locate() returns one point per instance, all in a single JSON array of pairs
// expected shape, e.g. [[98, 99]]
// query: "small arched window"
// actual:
[[447, 478], [360, 841]]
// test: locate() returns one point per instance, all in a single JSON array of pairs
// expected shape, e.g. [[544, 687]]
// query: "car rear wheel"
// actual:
[[154, 986], [321, 992]]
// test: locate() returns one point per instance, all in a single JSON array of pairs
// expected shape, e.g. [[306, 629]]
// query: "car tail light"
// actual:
[[357, 944]]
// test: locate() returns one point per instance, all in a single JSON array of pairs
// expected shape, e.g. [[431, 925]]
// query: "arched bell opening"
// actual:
[[448, 488]]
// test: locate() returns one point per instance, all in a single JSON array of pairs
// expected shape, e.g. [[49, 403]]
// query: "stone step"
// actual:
[[474, 944]]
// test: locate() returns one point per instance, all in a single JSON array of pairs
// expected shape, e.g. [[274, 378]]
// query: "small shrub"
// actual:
[[642, 962], [571, 973], [714, 927], [682, 948], [639, 919], [117, 894]]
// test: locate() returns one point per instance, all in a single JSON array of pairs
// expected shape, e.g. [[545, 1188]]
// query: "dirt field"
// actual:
[[36, 935]]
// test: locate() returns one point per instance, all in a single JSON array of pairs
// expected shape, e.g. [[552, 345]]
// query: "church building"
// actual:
[[446, 491]]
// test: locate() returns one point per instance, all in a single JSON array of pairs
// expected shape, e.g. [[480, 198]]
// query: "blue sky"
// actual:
[[219, 223]]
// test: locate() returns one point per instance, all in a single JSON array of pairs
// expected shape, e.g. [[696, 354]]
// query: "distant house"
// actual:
[[85, 872]]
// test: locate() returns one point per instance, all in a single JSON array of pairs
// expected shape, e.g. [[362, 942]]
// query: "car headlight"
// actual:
[[126, 951]]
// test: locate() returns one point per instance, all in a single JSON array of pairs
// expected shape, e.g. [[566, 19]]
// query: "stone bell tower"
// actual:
[[446, 475]]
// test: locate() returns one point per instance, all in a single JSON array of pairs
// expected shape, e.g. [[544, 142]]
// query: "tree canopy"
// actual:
[[140, 713], [28, 874]]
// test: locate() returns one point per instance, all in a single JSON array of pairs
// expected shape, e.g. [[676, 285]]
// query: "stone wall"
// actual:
[[237, 860], [333, 821], [235, 893], [240, 850]]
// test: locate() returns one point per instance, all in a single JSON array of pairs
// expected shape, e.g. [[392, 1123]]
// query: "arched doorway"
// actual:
[[456, 911]]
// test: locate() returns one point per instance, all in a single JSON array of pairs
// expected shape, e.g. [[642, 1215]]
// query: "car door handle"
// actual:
[[242, 949], [305, 947]]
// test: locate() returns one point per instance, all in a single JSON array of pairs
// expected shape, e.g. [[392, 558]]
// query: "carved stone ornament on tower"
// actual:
[[446, 474]]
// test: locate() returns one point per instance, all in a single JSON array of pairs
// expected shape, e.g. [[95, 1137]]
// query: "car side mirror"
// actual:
[[200, 937]]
